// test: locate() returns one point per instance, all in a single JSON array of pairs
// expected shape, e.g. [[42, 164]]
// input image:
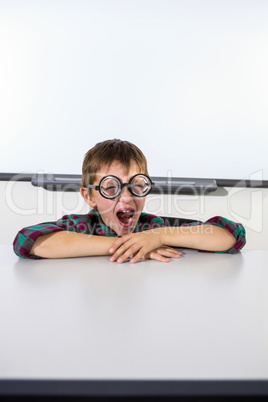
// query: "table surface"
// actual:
[[201, 317]]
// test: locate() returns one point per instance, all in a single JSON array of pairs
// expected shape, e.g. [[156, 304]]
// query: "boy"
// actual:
[[114, 184]]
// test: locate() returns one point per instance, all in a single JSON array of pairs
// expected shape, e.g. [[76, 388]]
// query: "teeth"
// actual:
[[125, 211]]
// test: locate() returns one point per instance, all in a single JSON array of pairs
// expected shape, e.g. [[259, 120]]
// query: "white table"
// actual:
[[201, 319]]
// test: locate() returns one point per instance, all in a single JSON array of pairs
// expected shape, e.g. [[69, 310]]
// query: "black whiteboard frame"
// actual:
[[32, 177]]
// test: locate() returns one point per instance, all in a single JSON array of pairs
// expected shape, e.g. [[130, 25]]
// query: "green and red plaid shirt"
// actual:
[[92, 224]]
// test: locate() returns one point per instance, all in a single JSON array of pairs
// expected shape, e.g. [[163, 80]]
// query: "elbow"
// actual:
[[229, 240], [37, 251], [40, 248], [229, 243], [223, 240]]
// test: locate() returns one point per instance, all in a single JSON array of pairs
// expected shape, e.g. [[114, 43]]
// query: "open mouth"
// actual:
[[125, 217]]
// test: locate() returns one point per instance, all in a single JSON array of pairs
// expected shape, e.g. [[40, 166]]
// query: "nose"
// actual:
[[125, 193]]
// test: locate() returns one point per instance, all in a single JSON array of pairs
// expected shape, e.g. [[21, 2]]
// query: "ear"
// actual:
[[90, 200]]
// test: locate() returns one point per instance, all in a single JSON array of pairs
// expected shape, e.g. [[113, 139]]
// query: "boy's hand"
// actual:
[[161, 254], [141, 245]]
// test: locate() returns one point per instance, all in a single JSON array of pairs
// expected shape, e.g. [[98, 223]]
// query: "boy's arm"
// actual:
[[201, 237], [218, 234], [40, 241], [65, 244]]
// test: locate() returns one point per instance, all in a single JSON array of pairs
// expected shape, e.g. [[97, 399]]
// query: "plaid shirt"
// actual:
[[92, 224]]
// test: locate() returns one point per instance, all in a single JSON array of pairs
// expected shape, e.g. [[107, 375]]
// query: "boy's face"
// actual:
[[111, 209]]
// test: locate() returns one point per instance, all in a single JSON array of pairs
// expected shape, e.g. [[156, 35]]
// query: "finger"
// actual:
[[168, 249], [157, 257], [168, 253], [117, 243], [132, 250], [141, 255], [123, 249]]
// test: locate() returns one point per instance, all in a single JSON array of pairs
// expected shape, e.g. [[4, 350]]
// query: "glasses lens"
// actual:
[[140, 185], [110, 187]]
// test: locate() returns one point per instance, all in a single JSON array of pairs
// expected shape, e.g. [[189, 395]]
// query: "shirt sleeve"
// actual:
[[26, 237], [237, 230]]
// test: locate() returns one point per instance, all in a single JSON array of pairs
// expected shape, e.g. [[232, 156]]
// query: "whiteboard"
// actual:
[[185, 80]]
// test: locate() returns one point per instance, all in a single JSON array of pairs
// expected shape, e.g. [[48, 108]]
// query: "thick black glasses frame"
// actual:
[[122, 185]]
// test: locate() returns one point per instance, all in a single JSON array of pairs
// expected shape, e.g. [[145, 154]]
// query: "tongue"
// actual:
[[124, 216]]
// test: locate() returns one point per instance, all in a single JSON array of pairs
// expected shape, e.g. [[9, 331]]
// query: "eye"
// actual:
[[109, 187], [110, 190], [139, 185]]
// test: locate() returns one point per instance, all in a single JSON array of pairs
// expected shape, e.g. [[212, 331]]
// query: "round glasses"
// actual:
[[111, 186]]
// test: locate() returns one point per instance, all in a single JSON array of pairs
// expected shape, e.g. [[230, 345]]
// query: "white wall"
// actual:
[[22, 204], [186, 80]]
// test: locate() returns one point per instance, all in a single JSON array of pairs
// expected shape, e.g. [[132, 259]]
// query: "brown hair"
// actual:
[[105, 153]]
